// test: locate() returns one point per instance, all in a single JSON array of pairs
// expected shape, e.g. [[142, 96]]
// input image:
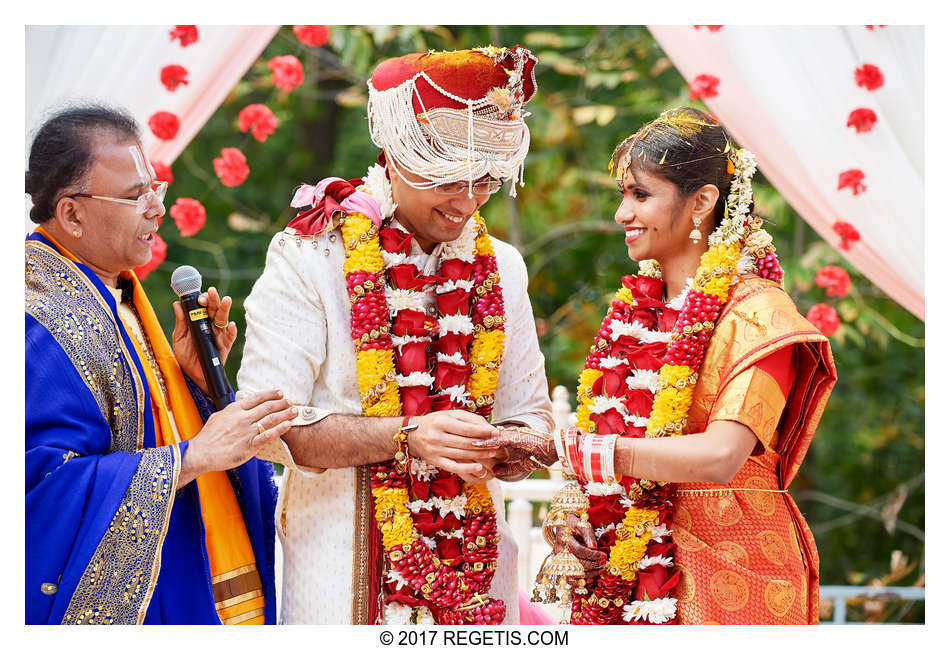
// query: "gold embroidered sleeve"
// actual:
[[117, 585], [752, 398]]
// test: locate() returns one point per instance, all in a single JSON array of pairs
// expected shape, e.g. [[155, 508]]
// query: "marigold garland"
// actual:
[[458, 596]]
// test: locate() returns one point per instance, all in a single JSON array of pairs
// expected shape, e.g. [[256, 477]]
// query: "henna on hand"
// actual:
[[524, 442]]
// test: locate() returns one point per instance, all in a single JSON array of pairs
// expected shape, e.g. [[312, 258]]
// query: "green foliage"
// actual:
[[597, 85]]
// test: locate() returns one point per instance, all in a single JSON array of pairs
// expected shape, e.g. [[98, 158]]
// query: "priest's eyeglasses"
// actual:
[[154, 197], [479, 188]]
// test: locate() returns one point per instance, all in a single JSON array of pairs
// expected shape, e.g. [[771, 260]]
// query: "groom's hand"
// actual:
[[446, 439]]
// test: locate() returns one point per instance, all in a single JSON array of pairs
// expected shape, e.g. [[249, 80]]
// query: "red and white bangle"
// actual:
[[571, 445], [588, 442], [607, 472]]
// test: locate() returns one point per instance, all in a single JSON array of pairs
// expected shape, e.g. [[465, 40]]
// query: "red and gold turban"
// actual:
[[454, 116]]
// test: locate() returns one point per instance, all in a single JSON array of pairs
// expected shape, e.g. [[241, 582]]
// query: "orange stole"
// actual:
[[236, 584], [745, 551]]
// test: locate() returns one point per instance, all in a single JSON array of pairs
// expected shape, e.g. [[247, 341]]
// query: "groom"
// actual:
[[401, 329]]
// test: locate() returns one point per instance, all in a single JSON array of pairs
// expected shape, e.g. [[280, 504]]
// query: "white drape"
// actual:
[[785, 93], [121, 65]]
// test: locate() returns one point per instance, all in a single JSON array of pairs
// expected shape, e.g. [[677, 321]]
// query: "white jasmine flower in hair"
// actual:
[[656, 611], [422, 470], [456, 324], [397, 614]]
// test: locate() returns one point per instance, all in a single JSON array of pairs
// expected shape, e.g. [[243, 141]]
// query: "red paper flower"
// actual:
[[162, 171], [413, 358], [231, 167], [704, 86], [824, 317], [394, 240], [852, 178], [187, 34], [173, 76], [312, 35], [848, 234], [869, 76], [159, 249], [259, 119], [862, 119], [712, 28], [834, 280], [189, 216], [287, 72], [164, 125]]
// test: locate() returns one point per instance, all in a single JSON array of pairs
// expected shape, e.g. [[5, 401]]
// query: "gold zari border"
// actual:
[[117, 585]]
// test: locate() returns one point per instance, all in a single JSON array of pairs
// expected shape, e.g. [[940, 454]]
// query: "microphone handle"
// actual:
[[201, 334]]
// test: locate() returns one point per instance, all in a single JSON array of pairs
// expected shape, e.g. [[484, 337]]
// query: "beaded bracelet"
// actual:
[[401, 438]]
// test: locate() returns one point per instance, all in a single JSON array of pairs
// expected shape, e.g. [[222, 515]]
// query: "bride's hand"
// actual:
[[522, 442]]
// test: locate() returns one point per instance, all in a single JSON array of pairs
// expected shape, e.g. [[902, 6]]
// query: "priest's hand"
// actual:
[[233, 435], [445, 439], [524, 450], [225, 333]]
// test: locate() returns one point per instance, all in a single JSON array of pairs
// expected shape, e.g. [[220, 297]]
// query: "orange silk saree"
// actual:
[[745, 552]]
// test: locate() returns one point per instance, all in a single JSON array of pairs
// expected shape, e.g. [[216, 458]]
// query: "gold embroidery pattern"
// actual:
[[117, 585], [62, 299]]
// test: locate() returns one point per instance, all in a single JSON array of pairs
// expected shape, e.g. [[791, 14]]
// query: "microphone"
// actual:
[[186, 282]]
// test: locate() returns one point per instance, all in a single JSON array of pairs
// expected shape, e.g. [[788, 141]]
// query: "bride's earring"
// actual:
[[695, 235]]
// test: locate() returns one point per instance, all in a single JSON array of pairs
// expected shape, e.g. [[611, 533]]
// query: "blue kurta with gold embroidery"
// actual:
[[110, 538]]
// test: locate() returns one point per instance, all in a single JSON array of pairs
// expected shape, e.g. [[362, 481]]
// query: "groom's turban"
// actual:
[[454, 116]]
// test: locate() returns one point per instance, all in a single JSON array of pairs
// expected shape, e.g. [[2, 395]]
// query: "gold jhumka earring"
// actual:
[[695, 235]]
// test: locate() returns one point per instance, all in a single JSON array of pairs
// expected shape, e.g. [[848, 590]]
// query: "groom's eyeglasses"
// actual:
[[480, 188]]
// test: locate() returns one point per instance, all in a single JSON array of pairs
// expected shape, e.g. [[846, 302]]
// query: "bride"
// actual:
[[704, 341]]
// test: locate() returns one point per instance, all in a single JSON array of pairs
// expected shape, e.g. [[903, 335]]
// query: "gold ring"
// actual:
[[220, 327], [260, 427]]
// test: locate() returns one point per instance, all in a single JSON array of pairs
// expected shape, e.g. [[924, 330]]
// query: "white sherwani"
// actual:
[[298, 340]]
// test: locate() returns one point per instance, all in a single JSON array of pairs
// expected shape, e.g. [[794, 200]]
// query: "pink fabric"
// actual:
[[531, 614], [785, 94]]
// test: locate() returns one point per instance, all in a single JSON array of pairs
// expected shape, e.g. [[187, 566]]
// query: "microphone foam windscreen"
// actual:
[[185, 280]]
